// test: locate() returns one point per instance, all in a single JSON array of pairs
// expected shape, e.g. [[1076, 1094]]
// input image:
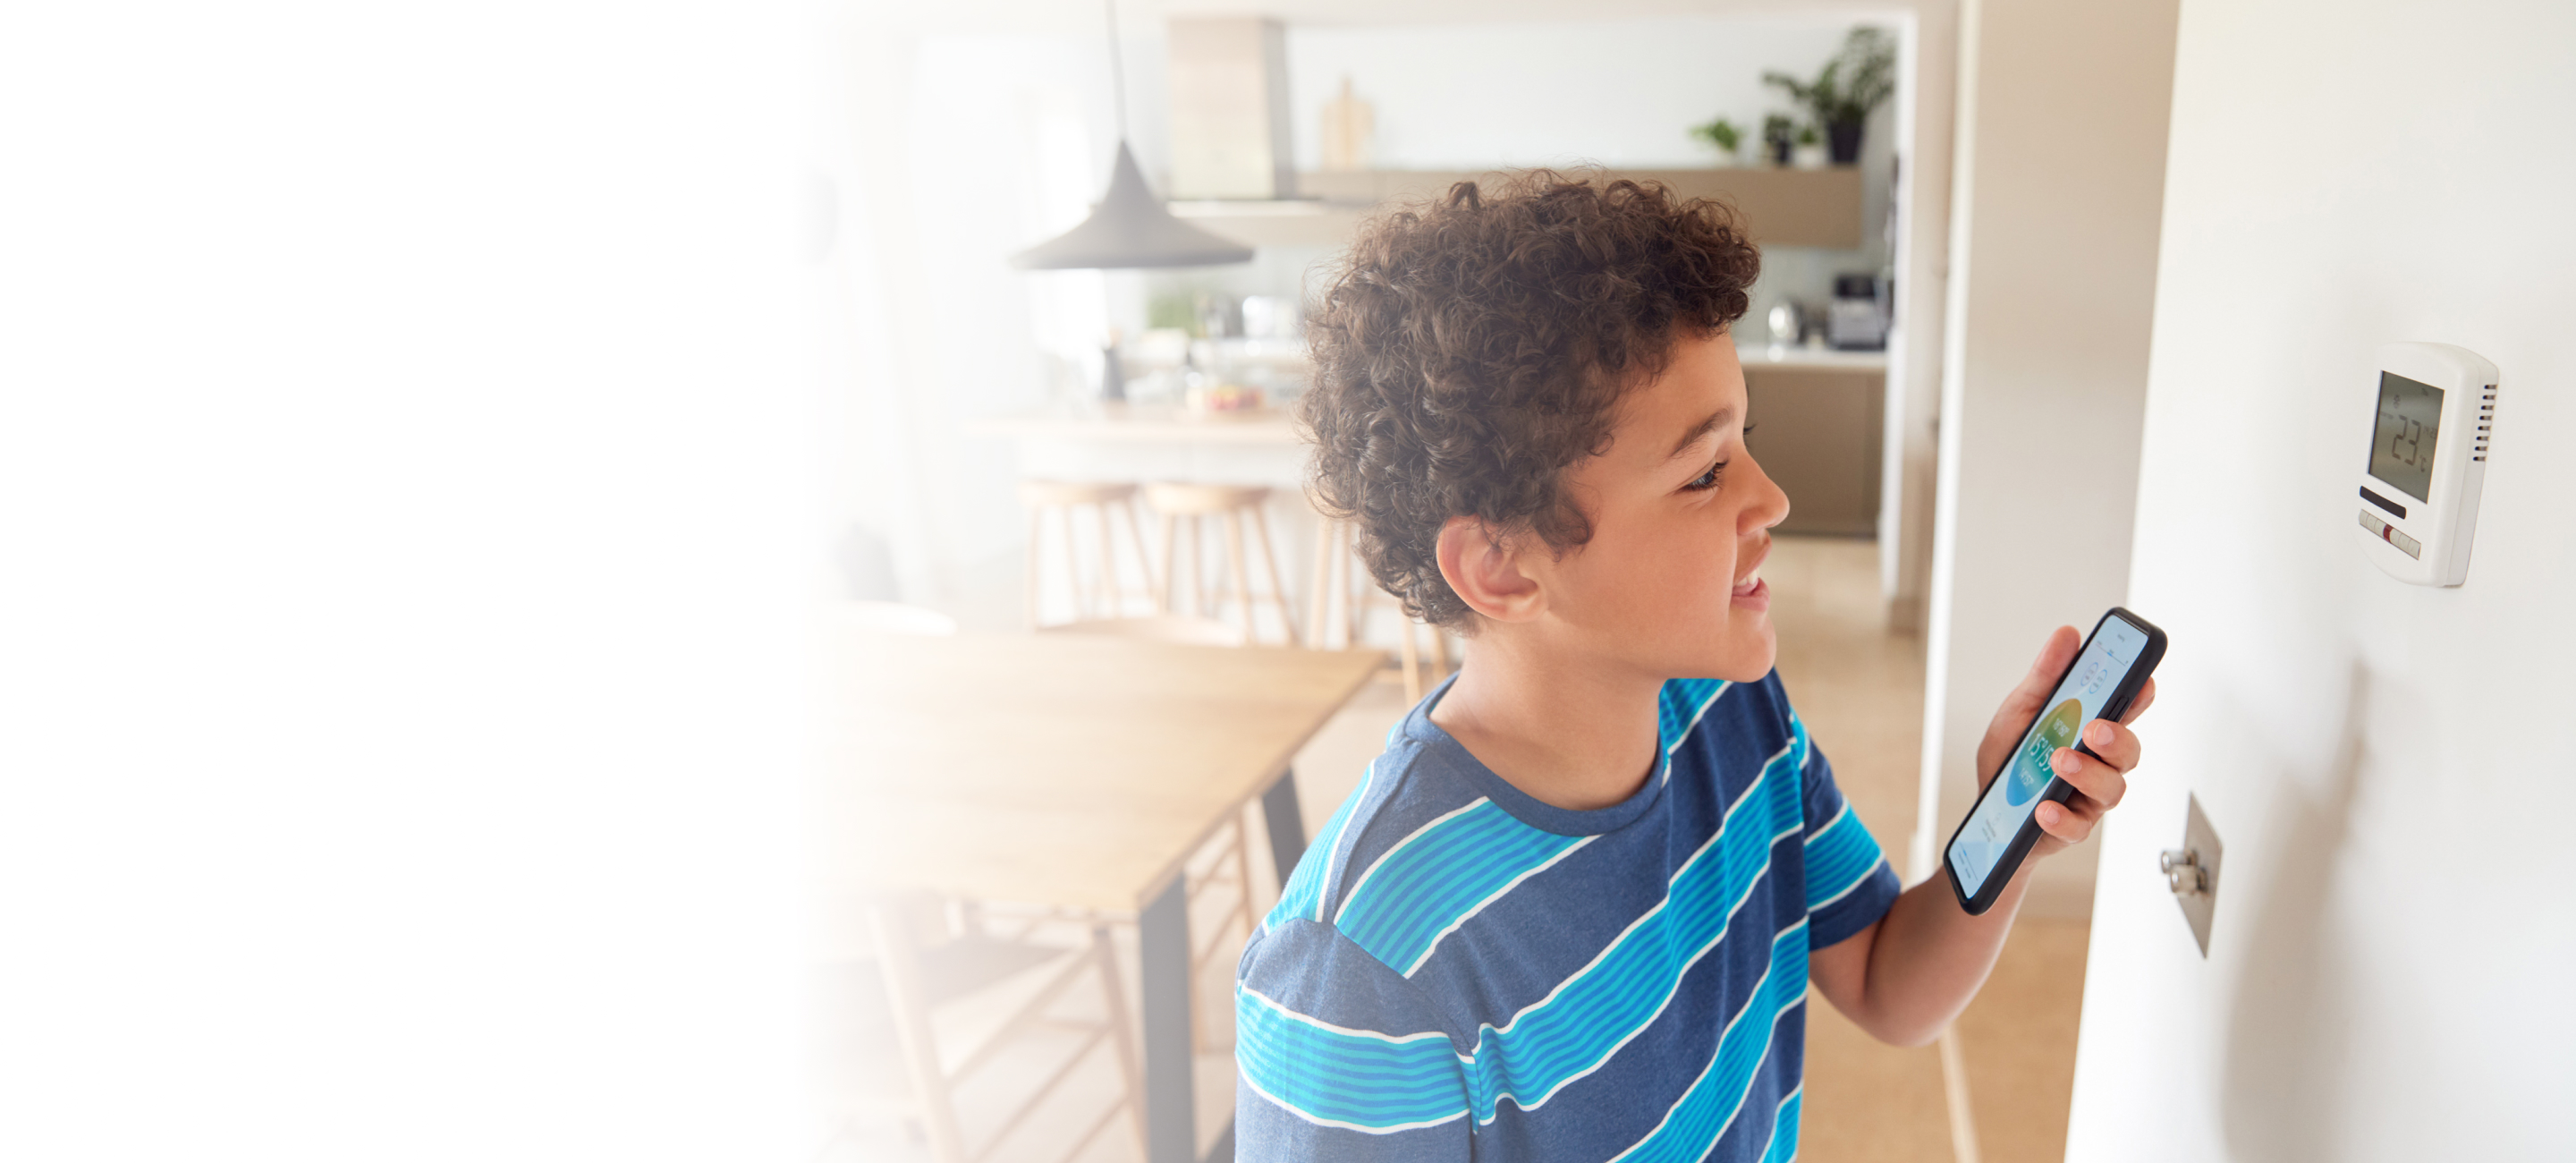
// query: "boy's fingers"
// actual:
[[2117, 745], [2058, 821], [2089, 775], [2146, 697]]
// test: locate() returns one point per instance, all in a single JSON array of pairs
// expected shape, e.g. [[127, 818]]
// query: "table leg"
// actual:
[[1287, 825], [1171, 1115]]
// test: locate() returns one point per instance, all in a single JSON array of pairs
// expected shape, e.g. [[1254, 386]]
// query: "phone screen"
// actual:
[[2014, 795]]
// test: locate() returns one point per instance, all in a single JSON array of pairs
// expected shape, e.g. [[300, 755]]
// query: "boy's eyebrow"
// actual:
[[1715, 421]]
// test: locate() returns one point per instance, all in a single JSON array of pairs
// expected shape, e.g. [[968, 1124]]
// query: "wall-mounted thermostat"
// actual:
[[2435, 408]]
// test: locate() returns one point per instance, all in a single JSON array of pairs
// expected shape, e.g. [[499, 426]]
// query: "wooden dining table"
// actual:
[[1075, 772]]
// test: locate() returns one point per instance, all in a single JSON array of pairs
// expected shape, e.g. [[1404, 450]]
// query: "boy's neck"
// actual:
[[1571, 735]]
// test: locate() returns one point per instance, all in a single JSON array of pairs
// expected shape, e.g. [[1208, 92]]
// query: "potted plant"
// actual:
[[1778, 134], [1722, 134], [1857, 81], [1809, 152]]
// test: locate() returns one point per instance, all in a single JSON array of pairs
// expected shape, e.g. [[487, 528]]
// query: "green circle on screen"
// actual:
[[2030, 771]]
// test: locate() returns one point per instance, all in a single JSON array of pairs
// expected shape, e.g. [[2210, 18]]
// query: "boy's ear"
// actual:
[[1485, 571]]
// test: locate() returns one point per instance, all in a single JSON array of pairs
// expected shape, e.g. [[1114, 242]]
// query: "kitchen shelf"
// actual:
[[1780, 207]]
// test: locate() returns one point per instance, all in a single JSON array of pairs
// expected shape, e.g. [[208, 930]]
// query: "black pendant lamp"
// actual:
[[1129, 227]]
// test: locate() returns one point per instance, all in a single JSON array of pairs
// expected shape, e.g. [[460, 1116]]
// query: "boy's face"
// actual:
[[1681, 517]]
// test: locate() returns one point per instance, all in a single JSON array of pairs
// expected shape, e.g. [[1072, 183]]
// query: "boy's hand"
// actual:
[[2099, 783]]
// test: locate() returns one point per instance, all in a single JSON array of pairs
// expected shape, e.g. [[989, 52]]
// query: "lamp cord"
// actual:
[[1117, 70]]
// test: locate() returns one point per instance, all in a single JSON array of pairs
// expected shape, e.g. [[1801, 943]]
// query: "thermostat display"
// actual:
[[2410, 428], [2434, 415]]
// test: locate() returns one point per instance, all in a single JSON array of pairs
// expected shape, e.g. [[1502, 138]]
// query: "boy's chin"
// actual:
[[1750, 661], [1739, 662]]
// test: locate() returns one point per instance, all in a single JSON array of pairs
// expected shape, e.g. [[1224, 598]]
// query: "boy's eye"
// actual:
[[1716, 472]]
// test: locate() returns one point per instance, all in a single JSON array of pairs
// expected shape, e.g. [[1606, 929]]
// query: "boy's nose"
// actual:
[[1770, 505]]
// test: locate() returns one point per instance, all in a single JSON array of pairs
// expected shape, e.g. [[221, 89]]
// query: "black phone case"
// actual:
[[2058, 789]]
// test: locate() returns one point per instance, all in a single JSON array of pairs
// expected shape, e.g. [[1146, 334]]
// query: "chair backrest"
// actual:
[[897, 618], [1180, 629]]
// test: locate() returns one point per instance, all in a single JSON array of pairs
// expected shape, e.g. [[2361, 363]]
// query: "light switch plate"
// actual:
[[2201, 841]]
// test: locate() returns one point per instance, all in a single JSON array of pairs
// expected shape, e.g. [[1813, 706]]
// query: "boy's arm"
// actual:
[[1906, 976]]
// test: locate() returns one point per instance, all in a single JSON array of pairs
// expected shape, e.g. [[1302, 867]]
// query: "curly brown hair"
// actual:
[[1472, 347]]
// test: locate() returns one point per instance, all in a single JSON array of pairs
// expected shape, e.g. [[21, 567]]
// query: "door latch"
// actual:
[[2183, 872], [2191, 871]]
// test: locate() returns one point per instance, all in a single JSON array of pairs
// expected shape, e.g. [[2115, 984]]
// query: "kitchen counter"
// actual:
[[1759, 357], [1147, 424]]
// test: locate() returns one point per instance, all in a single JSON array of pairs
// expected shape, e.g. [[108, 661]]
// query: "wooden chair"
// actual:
[[1107, 597], [1233, 506], [1335, 621], [919, 975]]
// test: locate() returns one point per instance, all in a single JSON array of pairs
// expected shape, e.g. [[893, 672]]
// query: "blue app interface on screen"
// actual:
[[2078, 700]]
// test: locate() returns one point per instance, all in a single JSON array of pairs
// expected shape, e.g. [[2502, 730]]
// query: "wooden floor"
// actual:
[[1859, 689]]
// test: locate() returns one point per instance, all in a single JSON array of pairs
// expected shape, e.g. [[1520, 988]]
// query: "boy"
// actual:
[[1573, 910]]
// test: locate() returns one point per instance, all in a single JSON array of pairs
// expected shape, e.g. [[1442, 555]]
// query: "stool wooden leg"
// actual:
[[1171, 563], [1242, 574], [1112, 596], [1200, 606], [1144, 560], [1278, 592], [1073, 563]]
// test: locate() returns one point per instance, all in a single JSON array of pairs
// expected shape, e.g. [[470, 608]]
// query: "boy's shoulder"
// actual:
[[1431, 835]]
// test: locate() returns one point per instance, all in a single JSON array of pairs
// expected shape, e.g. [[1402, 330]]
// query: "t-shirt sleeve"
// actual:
[[1849, 883], [1339, 1057]]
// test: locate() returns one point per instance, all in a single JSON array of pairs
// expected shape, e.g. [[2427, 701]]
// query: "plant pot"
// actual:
[[1844, 138], [1775, 153], [1809, 157]]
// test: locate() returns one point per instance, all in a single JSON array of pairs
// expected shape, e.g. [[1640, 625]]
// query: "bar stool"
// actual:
[[1334, 620], [1233, 506], [1103, 498]]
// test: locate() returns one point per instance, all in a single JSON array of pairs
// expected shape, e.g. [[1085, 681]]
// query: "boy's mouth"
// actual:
[[1751, 590]]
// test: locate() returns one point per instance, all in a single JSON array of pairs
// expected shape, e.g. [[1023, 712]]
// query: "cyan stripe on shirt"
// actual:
[[1784, 1130], [1705, 1111], [1423, 886], [1592, 1014], [1840, 856], [1342, 1077], [1681, 703], [1300, 896]]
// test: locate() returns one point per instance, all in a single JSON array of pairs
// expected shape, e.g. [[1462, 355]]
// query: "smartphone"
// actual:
[[2100, 684]]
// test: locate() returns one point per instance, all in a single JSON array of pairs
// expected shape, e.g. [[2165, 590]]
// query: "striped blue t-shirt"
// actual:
[[1457, 970]]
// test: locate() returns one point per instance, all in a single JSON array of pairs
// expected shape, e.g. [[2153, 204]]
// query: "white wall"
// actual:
[[2060, 161], [2389, 976], [1616, 92]]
